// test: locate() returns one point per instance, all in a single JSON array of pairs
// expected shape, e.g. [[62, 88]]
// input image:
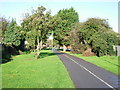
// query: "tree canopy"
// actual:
[[66, 18], [98, 35], [38, 25], [11, 35], [3, 25]]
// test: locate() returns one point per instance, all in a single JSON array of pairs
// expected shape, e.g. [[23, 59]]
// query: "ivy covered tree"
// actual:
[[66, 19]]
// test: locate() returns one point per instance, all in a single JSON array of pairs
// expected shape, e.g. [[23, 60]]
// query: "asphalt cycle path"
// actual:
[[87, 75]]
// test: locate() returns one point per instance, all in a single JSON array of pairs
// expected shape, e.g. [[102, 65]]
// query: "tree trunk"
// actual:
[[38, 46], [64, 48], [41, 45], [38, 49]]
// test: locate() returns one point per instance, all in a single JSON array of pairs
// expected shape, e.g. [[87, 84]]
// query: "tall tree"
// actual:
[[99, 36], [66, 18], [36, 28], [77, 42], [3, 27], [12, 36]]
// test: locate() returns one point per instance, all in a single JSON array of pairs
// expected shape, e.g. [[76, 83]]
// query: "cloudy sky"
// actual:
[[105, 9]]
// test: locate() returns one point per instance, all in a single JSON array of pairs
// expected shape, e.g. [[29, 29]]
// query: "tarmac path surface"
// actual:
[[87, 75]]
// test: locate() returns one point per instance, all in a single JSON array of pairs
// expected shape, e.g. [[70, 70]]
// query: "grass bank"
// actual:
[[110, 63], [26, 72]]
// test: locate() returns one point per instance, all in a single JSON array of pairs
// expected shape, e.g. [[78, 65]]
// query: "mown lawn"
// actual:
[[26, 72], [109, 63]]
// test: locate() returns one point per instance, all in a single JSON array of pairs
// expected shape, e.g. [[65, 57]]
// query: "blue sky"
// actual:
[[105, 10]]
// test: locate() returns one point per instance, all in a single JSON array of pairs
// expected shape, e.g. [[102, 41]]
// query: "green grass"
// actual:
[[26, 72], [109, 63]]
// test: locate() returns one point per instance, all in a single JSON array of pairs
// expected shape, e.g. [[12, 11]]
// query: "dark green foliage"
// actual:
[[4, 23], [67, 31], [7, 52], [77, 42], [36, 27], [103, 40], [3, 27], [99, 36], [119, 41], [98, 44], [70, 15], [12, 36], [11, 40], [66, 18]]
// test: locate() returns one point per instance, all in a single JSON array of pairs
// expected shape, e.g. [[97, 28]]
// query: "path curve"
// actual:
[[87, 75]]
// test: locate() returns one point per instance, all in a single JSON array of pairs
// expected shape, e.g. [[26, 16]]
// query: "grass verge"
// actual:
[[26, 72]]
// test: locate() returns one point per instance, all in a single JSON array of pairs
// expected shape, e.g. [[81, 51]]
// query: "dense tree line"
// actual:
[[37, 26], [96, 34]]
